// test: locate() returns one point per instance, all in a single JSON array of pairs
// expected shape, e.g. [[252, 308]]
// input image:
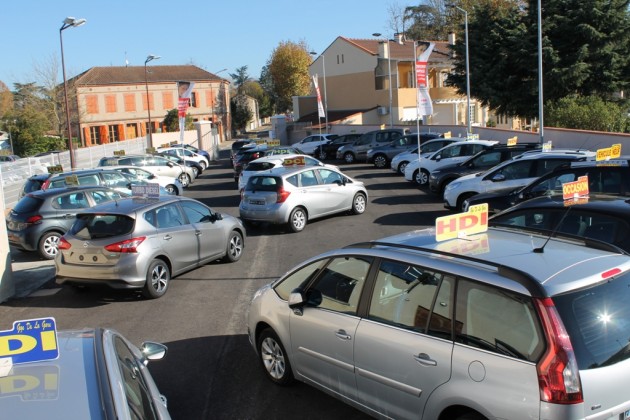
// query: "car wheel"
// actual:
[[203, 165], [172, 189], [297, 219], [471, 416], [322, 155], [401, 167], [184, 178], [358, 203], [380, 161], [462, 204], [274, 358], [234, 247], [421, 177], [158, 279], [48, 245], [348, 157], [195, 171]]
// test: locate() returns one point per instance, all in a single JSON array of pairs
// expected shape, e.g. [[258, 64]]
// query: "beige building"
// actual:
[[111, 104], [357, 90]]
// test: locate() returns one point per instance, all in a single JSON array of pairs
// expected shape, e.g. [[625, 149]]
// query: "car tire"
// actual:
[[322, 155], [203, 165], [274, 359], [172, 189], [348, 157], [359, 204], [158, 279], [401, 167], [297, 219], [234, 247], [195, 171], [380, 161], [470, 416], [48, 243], [461, 199], [184, 178], [421, 177]]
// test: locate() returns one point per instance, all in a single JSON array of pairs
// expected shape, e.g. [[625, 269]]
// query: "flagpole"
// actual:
[[415, 59]]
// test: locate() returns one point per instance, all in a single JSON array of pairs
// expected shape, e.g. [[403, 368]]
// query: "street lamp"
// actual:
[[389, 71], [540, 78], [150, 57], [325, 94], [452, 6], [68, 23]]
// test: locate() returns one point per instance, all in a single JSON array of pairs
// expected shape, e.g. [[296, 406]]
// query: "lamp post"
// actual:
[[68, 23], [452, 6], [540, 78], [325, 94], [150, 57], [389, 71]]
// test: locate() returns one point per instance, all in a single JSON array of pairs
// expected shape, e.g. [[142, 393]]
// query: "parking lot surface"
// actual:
[[211, 370]]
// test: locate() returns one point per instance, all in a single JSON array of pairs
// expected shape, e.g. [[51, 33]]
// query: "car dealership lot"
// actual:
[[210, 370]]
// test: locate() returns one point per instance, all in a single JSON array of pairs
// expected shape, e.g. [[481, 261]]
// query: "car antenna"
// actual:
[[541, 248]]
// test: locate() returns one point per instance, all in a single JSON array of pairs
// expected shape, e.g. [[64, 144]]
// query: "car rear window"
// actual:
[[32, 185], [263, 183], [28, 204], [259, 166], [597, 319], [95, 226]]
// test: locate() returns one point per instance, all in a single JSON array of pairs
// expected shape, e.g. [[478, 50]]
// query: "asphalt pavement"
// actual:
[[30, 274]]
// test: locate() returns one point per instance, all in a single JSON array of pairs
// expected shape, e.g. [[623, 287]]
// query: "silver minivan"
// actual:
[[498, 325]]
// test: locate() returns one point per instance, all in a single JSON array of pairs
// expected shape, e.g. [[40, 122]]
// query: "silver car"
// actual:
[[140, 243], [98, 374], [498, 325], [294, 196]]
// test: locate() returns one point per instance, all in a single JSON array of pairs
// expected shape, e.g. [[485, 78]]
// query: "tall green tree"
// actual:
[[240, 78], [241, 113], [288, 68], [269, 107]]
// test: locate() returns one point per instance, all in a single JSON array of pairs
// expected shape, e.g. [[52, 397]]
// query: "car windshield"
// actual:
[[598, 321]]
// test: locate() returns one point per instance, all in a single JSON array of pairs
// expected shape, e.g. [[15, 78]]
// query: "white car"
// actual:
[[183, 153], [310, 143], [418, 171], [269, 162], [158, 165], [400, 161], [516, 172], [172, 185]]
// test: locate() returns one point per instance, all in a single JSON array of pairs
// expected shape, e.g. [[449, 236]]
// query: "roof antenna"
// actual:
[[541, 249]]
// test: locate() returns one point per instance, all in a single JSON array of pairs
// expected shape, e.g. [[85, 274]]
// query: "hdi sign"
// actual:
[[475, 220]]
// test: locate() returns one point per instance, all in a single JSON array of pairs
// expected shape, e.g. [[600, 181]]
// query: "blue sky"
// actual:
[[210, 34]]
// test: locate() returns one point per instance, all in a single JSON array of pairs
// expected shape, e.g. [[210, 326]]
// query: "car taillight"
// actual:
[[558, 375], [282, 195], [46, 184], [34, 219], [63, 244], [127, 246]]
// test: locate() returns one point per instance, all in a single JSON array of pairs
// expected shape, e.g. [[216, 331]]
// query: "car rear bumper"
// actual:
[[275, 215], [129, 272]]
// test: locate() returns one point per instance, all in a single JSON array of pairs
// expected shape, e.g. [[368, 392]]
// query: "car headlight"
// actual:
[[369, 151], [452, 186], [433, 176]]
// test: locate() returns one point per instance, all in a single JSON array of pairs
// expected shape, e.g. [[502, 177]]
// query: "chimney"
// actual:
[[451, 41], [399, 37]]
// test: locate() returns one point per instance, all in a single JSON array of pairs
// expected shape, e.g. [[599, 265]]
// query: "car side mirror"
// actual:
[[153, 351], [498, 178], [438, 158], [152, 176], [298, 298], [170, 164]]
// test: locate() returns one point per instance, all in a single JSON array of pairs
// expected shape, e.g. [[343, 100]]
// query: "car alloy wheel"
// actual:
[[322, 155], [422, 177], [171, 189], [234, 247], [380, 161], [358, 204], [184, 179], [158, 279], [297, 219], [48, 245], [401, 167], [273, 358], [348, 157]]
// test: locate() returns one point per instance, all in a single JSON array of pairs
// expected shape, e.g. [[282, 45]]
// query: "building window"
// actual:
[[167, 100], [110, 103], [95, 135], [131, 131], [91, 104], [130, 102], [193, 99], [113, 133], [144, 101]]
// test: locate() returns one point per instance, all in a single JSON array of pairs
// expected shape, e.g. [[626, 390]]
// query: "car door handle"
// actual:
[[425, 360], [167, 237], [69, 216], [198, 232], [343, 335]]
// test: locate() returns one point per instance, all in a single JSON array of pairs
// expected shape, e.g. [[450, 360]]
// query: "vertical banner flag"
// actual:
[[184, 90], [424, 104], [320, 107]]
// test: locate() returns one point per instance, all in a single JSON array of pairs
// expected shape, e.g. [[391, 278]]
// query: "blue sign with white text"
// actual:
[[31, 340]]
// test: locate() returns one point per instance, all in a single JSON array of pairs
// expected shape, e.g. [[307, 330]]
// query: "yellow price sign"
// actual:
[[294, 161], [447, 135], [55, 169], [71, 180], [165, 145], [512, 141], [150, 150], [174, 143], [575, 189], [607, 153], [119, 153], [475, 220], [273, 143]]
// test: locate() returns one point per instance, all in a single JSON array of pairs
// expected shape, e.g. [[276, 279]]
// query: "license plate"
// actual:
[[257, 202]]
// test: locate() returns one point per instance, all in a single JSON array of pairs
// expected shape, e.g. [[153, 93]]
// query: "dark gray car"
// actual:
[[41, 217], [380, 156], [357, 151]]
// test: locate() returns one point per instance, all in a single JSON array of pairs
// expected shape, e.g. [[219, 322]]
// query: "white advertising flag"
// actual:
[[320, 107], [424, 103]]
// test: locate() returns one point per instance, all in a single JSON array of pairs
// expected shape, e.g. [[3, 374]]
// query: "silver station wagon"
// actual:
[[499, 325], [295, 196]]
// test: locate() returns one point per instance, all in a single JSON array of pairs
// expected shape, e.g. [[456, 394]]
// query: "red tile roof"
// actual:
[[97, 76], [404, 52]]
